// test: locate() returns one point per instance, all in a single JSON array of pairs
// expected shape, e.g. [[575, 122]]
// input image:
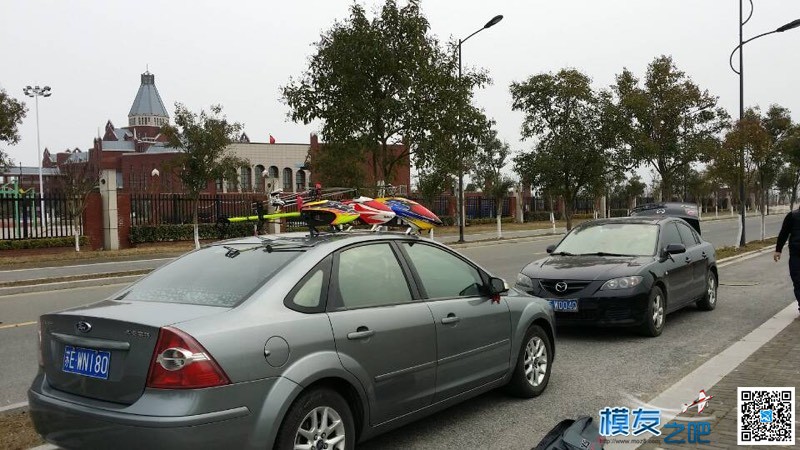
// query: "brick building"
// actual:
[[140, 158]]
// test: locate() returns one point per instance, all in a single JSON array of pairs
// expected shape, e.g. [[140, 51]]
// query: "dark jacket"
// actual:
[[790, 230]]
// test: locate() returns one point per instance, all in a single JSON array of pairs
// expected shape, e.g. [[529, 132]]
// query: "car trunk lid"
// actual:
[[104, 351]]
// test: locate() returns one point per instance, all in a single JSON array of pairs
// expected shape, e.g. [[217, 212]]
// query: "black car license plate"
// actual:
[[86, 362], [570, 305]]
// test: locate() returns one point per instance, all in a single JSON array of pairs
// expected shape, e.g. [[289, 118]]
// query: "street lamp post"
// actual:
[[740, 72], [37, 92], [461, 214]]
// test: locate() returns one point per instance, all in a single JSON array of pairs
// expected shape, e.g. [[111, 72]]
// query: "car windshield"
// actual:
[[627, 239], [220, 275]]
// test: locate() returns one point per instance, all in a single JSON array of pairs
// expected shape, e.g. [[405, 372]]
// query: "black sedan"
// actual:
[[629, 271]]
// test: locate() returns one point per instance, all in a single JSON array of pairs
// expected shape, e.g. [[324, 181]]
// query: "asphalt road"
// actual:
[[594, 368], [718, 232]]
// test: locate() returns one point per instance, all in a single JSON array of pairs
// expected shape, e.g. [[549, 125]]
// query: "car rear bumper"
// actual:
[[607, 311], [71, 422]]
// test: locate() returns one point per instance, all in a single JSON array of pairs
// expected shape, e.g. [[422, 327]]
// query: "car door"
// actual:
[[678, 272], [696, 257], [473, 333], [384, 334]]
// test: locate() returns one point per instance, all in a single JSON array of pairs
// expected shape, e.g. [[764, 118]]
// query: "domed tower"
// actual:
[[147, 113]]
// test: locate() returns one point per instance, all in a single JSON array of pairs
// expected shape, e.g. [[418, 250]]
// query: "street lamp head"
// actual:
[[789, 26], [494, 21]]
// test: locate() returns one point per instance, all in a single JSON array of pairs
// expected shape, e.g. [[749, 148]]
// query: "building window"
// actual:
[[301, 180], [272, 178], [259, 182], [245, 179], [220, 184], [287, 179]]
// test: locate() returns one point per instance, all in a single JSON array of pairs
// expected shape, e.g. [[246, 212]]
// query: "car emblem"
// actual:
[[561, 286], [83, 327]]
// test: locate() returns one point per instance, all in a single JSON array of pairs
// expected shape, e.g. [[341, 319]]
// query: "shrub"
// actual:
[[185, 232], [20, 244]]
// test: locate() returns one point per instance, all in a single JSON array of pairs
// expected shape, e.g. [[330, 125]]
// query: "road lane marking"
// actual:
[[18, 325], [11, 296], [89, 264]]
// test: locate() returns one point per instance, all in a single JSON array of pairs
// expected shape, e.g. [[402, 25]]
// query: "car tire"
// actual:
[[656, 313], [329, 408], [709, 300], [533, 366]]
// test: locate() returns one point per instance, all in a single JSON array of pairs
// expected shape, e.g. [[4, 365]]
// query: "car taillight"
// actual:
[[180, 362]]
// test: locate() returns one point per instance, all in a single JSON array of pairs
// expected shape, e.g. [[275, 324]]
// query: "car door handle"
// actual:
[[688, 260], [705, 256], [361, 333], [451, 318]]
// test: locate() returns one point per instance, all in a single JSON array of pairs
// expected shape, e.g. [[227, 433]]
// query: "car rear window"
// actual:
[[213, 276]]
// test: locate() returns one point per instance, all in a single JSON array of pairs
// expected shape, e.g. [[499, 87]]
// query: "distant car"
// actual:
[[685, 211], [286, 343], [628, 271]]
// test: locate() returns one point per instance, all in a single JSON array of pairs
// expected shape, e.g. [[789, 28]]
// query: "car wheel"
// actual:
[[534, 363], [709, 300], [318, 419], [656, 313]]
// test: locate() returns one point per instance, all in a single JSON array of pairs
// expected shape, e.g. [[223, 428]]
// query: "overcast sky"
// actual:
[[238, 54]]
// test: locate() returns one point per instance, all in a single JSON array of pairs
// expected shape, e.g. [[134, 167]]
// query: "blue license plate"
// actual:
[[564, 305], [87, 362]]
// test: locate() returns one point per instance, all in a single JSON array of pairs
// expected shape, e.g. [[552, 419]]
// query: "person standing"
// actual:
[[790, 230]]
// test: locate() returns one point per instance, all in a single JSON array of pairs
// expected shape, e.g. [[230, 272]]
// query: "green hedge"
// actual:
[[490, 220], [20, 244], [185, 232]]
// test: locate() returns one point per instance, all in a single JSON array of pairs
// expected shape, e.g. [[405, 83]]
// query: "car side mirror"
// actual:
[[551, 248], [674, 249], [497, 286]]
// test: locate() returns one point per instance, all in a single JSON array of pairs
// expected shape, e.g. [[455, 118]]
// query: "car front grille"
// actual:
[[573, 287]]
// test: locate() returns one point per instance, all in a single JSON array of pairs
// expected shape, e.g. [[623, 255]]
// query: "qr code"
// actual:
[[765, 416]]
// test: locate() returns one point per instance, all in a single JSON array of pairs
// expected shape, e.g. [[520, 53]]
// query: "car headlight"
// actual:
[[622, 283], [524, 281]]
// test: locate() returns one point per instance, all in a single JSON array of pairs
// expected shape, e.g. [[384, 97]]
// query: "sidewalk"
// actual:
[[776, 364]]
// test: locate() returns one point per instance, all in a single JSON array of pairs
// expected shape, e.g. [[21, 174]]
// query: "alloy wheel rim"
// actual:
[[321, 429], [712, 291], [658, 312], [535, 362]]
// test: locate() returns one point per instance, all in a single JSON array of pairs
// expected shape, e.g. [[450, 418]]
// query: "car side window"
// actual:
[[671, 234], [442, 274], [310, 293], [687, 236], [370, 275]]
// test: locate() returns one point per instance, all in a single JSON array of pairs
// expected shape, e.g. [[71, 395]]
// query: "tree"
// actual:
[[203, 140], [670, 122], [339, 165], [76, 180], [430, 185], [12, 112], [374, 83], [490, 161], [790, 149], [566, 119]]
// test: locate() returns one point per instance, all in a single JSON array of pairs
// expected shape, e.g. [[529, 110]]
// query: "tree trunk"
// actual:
[[499, 218], [196, 226], [77, 238]]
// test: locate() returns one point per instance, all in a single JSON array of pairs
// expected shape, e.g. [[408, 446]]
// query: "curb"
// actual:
[[102, 281], [13, 408]]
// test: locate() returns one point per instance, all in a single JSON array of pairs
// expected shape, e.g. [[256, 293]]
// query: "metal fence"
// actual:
[[154, 209], [22, 218]]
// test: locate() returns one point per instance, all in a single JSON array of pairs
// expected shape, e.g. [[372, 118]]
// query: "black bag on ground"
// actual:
[[569, 434]]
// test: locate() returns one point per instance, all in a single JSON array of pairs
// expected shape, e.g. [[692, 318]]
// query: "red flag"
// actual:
[[271, 139]]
